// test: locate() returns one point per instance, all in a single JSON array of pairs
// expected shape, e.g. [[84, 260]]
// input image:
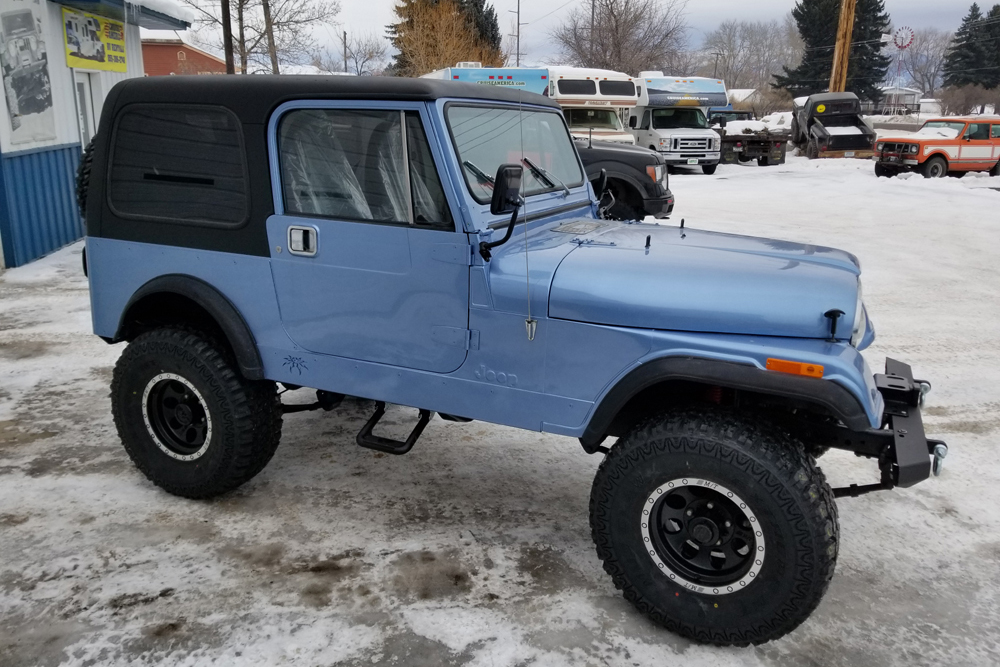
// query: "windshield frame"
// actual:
[[652, 118], [463, 173]]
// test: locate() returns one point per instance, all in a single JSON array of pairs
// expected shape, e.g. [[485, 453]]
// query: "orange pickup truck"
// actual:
[[942, 146]]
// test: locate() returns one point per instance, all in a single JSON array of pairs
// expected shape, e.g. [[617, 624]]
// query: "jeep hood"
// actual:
[[690, 280]]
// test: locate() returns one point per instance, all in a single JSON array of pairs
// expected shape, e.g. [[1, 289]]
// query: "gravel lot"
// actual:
[[475, 548]]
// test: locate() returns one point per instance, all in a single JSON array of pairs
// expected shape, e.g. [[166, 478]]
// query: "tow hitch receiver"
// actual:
[[904, 453]]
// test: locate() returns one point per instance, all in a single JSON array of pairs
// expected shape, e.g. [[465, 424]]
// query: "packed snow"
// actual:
[[744, 127], [842, 131], [475, 548], [778, 119]]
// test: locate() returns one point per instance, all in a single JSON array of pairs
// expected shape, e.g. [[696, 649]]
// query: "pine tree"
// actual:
[[817, 21], [991, 44], [967, 58], [484, 20]]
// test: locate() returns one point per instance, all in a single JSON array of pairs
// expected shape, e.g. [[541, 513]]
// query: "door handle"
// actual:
[[303, 241]]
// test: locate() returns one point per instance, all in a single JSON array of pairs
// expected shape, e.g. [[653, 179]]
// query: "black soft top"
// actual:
[[253, 97]]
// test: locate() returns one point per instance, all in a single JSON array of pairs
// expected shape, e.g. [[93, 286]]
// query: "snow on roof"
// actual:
[[167, 8], [901, 89], [741, 94]]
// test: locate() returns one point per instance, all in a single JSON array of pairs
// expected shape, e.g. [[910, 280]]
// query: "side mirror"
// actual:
[[722, 122], [506, 189], [632, 122]]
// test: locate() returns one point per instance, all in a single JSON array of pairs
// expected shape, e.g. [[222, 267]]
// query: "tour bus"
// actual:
[[593, 100], [672, 118]]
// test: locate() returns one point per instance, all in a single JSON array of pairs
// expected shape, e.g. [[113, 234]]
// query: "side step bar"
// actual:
[[388, 445]]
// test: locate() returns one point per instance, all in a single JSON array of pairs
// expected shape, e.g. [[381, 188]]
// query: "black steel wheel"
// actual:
[[715, 524], [187, 418], [936, 167]]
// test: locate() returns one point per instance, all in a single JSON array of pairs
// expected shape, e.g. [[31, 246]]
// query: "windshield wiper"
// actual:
[[481, 176], [543, 175]]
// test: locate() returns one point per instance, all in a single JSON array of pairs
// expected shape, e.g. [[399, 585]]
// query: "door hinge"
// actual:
[[473, 343], [456, 337]]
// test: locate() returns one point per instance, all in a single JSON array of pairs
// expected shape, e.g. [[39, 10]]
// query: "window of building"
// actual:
[[179, 163], [353, 165], [181, 55]]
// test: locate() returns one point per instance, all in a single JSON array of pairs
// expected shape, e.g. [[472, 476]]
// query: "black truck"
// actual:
[[767, 146], [636, 178], [830, 125]]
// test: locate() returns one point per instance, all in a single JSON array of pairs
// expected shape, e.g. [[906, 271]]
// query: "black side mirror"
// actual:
[[506, 189], [632, 122], [722, 122]]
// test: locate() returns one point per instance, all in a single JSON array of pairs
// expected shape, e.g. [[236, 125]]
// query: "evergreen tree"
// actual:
[[991, 45], [967, 58], [817, 21], [484, 20]]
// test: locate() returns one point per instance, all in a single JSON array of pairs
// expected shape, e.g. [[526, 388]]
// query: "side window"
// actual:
[[429, 204], [351, 165], [645, 120], [179, 163], [996, 131], [977, 131]]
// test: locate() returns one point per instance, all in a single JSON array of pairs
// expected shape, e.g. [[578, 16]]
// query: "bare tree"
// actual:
[[624, 35], [747, 54], [923, 61], [366, 56], [291, 22]]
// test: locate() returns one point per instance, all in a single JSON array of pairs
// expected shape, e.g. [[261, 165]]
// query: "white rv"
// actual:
[[672, 118], [594, 101]]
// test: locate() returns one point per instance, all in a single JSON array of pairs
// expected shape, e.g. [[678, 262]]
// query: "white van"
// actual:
[[672, 118]]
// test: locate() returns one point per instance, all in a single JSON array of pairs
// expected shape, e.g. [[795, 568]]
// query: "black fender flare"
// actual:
[[615, 172], [221, 309], [834, 398]]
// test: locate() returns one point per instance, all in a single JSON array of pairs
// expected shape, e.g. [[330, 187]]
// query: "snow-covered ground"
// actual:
[[475, 547]]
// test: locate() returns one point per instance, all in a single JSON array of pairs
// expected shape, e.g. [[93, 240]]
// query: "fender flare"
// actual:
[[831, 396], [615, 171], [221, 309]]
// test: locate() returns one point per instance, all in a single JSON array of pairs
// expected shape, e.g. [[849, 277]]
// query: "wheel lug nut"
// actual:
[[728, 524], [689, 513], [710, 506], [718, 543]]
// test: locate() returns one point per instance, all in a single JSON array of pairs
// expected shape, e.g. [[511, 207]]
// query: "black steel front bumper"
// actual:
[[905, 455], [659, 207]]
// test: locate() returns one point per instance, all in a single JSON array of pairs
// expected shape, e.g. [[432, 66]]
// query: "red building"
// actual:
[[161, 57]]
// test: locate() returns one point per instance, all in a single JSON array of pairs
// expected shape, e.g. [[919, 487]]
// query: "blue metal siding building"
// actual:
[[44, 125]]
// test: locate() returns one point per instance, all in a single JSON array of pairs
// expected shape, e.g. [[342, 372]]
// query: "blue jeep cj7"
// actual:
[[437, 245]]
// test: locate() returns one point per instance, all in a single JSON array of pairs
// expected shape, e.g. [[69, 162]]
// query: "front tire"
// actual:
[[709, 169], [882, 171], [188, 420], [936, 167], [717, 526]]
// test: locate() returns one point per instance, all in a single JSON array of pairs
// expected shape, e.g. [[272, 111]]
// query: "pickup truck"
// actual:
[[830, 125], [745, 139], [637, 180]]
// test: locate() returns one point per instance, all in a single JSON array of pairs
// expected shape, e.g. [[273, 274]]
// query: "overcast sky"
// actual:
[[702, 15]]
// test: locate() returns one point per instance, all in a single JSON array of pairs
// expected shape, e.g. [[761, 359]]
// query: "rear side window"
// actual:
[[577, 87], [617, 88], [179, 163], [996, 131]]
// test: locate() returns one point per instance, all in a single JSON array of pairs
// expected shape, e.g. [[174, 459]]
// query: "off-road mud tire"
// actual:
[[882, 171], [83, 176], [936, 167], [812, 149], [770, 471], [245, 414], [709, 169]]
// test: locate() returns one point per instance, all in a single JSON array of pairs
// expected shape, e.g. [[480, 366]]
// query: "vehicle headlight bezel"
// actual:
[[880, 146], [860, 326]]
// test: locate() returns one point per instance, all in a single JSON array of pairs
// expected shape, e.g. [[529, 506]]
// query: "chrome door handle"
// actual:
[[303, 241]]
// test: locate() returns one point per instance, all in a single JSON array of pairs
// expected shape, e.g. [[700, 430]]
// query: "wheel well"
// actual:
[[177, 300], [939, 154], [676, 393], [625, 192]]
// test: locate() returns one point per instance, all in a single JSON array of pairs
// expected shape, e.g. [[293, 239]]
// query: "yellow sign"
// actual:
[[821, 108], [93, 42]]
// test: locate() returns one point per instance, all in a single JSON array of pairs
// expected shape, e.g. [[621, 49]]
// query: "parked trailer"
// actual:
[[745, 139]]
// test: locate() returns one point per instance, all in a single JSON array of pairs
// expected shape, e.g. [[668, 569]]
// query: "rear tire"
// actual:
[[188, 420], [812, 150], [709, 169], [995, 171], [710, 476], [936, 167], [763, 161]]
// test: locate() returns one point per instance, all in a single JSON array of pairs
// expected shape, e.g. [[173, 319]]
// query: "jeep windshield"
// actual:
[[671, 119], [599, 119], [487, 137]]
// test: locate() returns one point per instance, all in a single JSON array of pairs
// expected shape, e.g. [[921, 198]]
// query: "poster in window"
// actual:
[[26, 85], [93, 42]]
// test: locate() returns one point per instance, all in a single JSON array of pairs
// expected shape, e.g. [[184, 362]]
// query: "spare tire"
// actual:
[[83, 176]]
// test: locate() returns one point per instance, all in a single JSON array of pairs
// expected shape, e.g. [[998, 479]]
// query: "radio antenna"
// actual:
[[530, 324]]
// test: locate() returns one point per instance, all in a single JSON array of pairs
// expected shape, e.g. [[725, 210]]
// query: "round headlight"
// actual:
[[879, 146], [914, 148]]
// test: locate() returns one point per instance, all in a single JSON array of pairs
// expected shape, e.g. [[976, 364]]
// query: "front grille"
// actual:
[[692, 143], [892, 148]]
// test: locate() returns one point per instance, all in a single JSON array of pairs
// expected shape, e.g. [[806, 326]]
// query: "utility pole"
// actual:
[[842, 51], [227, 38], [269, 31], [517, 34], [345, 51]]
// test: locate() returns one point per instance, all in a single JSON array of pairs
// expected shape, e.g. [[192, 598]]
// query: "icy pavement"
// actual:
[[475, 547]]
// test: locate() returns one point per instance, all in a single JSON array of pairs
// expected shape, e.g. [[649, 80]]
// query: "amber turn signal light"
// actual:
[[795, 368]]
